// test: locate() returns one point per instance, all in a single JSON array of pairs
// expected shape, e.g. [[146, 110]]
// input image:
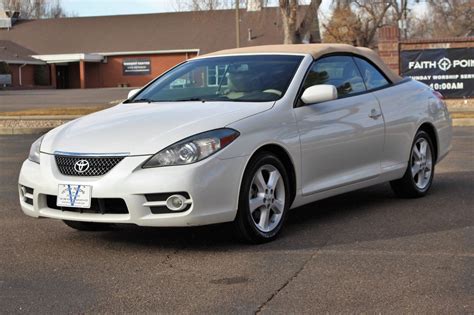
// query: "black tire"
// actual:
[[89, 226], [406, 186], [244, 223]]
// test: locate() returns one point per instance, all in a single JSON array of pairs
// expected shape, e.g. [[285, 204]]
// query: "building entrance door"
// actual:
[[62, 77]]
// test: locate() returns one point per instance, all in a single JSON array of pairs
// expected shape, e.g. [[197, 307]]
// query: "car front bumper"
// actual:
[[212, 184]]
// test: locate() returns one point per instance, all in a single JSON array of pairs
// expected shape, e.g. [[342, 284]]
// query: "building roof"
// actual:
[[13, 53], [205, 30], [316, 51]]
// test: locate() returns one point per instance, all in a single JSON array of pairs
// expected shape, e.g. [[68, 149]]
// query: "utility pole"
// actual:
[[403, 22], [237, 23], [405, 18]]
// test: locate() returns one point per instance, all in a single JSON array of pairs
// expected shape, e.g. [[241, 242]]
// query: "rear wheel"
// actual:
[[264, 199], [89, 226], [420, 171]]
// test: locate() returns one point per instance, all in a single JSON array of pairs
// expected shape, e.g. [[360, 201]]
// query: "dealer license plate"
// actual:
[[74, 196]]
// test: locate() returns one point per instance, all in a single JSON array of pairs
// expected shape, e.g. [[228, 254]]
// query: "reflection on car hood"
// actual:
[[141, 128]]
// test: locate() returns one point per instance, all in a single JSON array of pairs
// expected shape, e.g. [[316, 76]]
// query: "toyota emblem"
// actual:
[[81, 166]]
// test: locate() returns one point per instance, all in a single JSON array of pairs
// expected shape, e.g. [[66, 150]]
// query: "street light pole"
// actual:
[[405, 19], [237, 23]]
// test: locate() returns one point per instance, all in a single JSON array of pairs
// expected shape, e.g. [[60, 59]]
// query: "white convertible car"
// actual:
[[241, 136]]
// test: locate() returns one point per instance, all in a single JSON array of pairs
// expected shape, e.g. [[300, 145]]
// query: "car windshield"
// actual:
[[251, 78]]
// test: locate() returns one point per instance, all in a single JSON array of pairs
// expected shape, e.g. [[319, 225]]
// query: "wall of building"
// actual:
[[454, 42], [110, 74], [388, 47], [27, 75], [74, 76], [93, 75], [14, 73]]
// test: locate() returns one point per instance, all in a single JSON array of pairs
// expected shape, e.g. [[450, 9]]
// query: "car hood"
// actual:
[[142, 128]]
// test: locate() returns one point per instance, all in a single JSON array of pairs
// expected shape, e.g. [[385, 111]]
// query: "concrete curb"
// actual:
[[22, 131], [26, 130], [48, 117]]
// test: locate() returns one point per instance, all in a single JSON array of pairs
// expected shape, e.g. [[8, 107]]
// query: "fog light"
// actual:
[[176, 202]]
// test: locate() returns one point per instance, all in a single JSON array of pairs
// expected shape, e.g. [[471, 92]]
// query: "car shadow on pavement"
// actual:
[[369, 214]]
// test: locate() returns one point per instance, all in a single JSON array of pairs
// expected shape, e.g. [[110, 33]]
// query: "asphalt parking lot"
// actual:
[[16, 100], [364, 251]]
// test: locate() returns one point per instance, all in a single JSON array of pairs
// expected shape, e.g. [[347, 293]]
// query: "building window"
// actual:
[[217, 74]]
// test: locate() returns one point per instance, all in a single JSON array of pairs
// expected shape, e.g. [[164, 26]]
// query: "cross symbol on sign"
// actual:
[[444, 64]]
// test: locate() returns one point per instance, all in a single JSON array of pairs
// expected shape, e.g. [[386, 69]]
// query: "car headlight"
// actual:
[[193, 149], [34, 155]]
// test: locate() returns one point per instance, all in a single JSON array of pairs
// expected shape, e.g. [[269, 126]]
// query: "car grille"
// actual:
[[91, 166]]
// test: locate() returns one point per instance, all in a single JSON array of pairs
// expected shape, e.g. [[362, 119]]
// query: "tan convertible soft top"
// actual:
[[315, 50]]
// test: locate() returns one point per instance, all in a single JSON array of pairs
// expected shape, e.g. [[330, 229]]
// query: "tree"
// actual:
[[305, 31], [56, 10], [210, 5], [35, 9], [371, 17], [296, 30], [450, 18], [204, 5], [443, 18], [357, 21], [4, 68], [343, 27]]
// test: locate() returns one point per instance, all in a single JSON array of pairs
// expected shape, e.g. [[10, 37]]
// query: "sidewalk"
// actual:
[[18, 100], [23, 125]]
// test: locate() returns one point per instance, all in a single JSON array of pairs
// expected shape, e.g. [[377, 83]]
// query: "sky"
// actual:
[[114, 7]]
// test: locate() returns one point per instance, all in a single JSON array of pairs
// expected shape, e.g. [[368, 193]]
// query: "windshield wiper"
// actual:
[[191, 99], [142, 100]]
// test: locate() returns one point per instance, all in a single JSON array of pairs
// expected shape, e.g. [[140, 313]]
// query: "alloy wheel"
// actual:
[[267, 198], [421, 163]]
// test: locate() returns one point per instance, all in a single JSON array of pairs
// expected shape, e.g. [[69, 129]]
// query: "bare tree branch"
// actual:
[[35, 9], [357, 21], [308, 29]]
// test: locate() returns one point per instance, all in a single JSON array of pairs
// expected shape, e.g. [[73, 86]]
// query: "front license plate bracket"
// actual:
[[74, 196]]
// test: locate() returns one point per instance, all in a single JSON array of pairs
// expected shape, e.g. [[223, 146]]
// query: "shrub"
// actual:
[[4, 68]]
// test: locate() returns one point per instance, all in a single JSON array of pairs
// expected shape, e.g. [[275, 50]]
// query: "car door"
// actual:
[[397, 105], [341, 140]]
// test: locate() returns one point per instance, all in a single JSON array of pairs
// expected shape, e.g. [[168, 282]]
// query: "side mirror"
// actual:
[[319, 93], [132, 93]]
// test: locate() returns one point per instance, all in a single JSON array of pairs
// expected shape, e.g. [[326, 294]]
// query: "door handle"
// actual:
[[374, 114]]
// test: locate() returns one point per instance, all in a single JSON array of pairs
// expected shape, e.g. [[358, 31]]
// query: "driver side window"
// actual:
[[340, 71], [373, 78]]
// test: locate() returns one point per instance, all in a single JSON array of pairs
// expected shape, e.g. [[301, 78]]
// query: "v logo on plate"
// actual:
[[71, 198]]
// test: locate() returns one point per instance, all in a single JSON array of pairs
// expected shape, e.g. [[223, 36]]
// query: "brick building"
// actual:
[[19, 64], [130, 50]]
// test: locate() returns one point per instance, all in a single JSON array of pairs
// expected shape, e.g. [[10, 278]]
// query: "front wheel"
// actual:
[[264, 199], [420, 171]]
